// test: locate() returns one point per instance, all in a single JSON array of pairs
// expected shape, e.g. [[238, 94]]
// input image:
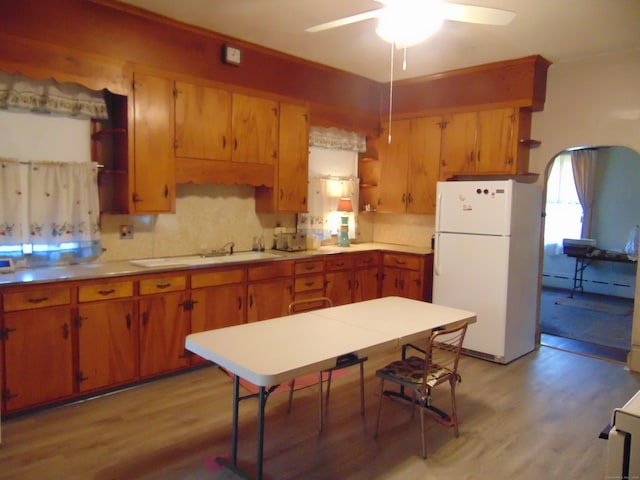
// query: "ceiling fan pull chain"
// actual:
[[391, 93], [404, 60]]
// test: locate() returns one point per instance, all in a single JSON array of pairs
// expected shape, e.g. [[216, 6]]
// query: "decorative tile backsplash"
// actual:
[[208, 216]]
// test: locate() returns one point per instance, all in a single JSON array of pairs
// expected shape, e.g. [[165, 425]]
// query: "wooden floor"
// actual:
[[538, 417]]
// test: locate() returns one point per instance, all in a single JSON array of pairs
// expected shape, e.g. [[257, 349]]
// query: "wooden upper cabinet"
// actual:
[[202, 122], [394, 167], [409, 166], [424, 162], [255, 129], [496, 131], [458, 145], [153, 137], [289, 193], [485, 142]]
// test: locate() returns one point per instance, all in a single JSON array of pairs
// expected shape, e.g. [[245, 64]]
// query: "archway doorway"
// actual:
[[588, 290]]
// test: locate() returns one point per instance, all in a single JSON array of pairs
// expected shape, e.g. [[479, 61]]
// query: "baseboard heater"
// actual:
[[623, 441]]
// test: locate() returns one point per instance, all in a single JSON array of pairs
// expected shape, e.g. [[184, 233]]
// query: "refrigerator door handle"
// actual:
[[438, 209], [436, 266]]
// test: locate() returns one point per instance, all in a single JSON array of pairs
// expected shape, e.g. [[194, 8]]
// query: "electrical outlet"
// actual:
[[126, 232]]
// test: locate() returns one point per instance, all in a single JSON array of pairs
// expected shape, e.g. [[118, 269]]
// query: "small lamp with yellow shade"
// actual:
[[345, 206]]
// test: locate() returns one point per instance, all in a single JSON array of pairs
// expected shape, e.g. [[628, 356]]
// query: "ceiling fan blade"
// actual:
[[344, 21], [474, 14]]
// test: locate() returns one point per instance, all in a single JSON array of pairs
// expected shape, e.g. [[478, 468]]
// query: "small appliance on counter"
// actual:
[[291, 242]]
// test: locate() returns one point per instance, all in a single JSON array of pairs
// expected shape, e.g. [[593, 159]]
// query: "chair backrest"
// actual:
[[443, 354], [309, 304]]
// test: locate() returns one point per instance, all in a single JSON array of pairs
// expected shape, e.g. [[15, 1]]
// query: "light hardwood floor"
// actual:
[[536, 418]]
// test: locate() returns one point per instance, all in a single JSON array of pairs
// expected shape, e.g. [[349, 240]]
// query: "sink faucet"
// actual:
[[226, 249]]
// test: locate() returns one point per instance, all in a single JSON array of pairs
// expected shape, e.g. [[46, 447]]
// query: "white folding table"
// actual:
[[274, 351]]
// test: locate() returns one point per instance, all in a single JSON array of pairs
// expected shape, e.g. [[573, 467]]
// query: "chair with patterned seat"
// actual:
[[348, 361], [436, 365]]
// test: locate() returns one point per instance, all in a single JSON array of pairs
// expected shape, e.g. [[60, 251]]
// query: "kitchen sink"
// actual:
[[194, 260]]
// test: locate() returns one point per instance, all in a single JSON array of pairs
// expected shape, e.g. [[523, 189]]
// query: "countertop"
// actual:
[[95, 270]]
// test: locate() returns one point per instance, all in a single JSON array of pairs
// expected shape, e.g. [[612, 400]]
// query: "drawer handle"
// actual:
[[309, 284], [340, 264], [104, 293], [309, 267], [163, 285], [401, 262], [38, 300]]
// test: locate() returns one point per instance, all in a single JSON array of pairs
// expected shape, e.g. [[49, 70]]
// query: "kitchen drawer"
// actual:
[[410, 262], [105, 291], [342, 262], [162, 284], [309, 282], [366, 260], [218, 277], [314, 266], [28, 299], [270, 270]]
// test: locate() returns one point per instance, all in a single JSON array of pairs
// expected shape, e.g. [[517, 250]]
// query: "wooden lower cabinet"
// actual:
[[218, 300], [107, 344], [367, 276], [406, 275], [38, 350], [164, 325], [67, 340], [352, 277], [269, 290]]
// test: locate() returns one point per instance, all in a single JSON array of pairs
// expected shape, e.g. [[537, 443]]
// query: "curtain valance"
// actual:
[[337, 139], [48, 96]]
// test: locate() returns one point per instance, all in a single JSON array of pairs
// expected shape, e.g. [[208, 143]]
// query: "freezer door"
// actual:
[[480, 207], [470, 273]]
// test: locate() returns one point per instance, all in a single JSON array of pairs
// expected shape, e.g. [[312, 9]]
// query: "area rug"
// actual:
[[595, 305], [585, 319]]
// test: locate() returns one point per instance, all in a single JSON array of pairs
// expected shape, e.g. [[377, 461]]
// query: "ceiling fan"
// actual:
[[405, 23]]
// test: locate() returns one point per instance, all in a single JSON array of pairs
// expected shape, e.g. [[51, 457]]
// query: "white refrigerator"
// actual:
[[486, 261]]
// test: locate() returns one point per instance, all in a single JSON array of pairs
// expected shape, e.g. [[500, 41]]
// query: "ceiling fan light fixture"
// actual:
[[406, 23]]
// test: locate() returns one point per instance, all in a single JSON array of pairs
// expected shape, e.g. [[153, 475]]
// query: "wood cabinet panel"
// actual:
[[37, 298], [313, 266], [308, 283], [458, 146], [255, 129], [424, 164], [159, 284], [289, 192], [38, 357], [409, 166], [218, 277], [107, 344], [270, 270], [153, 133], [202, 122], [217, 307], [394, 167], [164, 325], [105, 291], [403, 275], [269, 298]]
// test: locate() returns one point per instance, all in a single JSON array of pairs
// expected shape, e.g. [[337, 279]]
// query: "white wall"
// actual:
[[31, 136], [594, 101]]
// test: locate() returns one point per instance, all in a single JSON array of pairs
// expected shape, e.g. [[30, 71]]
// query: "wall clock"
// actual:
[[231, 55]]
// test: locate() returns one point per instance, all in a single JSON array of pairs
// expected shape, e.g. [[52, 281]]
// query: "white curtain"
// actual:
[[583, 163], [48, 96], [48, 203], [563, 212], [323, 220]]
